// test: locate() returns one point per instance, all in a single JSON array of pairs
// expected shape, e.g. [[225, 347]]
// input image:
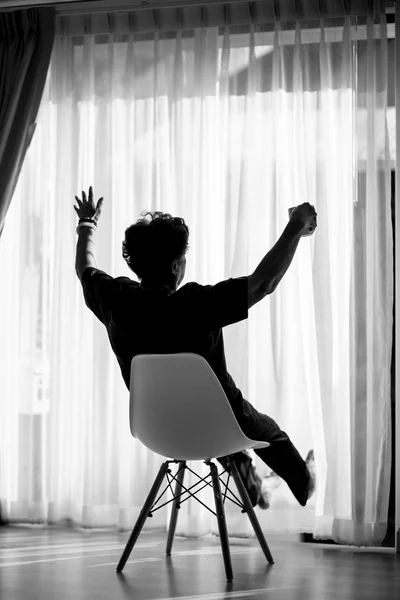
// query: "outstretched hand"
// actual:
[[86, 207], [305, 213]]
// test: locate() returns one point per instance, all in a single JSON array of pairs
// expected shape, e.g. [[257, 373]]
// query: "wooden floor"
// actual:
[[61, 564]]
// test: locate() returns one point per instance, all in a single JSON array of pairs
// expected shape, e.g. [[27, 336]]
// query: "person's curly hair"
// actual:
[[151, 247]]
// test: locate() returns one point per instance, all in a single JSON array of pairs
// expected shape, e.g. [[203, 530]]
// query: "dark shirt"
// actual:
[[141, 321]]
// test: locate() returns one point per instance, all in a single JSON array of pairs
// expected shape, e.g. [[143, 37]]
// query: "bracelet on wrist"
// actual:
[[90, 224], [87, 220]]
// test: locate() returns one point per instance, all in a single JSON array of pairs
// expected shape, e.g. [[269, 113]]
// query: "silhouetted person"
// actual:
[[155, 317]]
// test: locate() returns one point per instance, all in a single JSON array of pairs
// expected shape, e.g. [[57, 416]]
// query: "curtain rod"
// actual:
[[71, 7]]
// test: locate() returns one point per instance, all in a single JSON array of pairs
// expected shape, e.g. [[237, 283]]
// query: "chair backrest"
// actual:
[[179, 409]]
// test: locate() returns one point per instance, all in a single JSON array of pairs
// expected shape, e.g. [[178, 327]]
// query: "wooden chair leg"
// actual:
[[144, 513], [175, 507], [223, 531], [250, 510]]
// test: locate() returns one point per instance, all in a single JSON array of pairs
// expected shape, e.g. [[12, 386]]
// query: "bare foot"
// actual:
[[268, 485], [310, 462]]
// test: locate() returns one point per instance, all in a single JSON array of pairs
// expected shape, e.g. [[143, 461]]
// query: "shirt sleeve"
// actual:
[[223, 304], [99, 290]]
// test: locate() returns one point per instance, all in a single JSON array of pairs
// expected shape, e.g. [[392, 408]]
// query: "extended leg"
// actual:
[[284, 459], [175, 507], [250, 510], [223, 532], [144, 513], [281, 456]]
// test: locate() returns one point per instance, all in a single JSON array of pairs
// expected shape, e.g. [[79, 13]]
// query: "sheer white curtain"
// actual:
[[228, 128]]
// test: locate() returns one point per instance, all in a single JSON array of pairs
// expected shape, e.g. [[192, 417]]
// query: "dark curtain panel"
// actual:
[[26, 43]]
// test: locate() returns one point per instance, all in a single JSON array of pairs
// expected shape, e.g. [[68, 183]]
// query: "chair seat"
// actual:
[[249, 445], [179, 409]]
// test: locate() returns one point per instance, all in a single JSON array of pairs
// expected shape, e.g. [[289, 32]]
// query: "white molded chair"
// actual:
[[179, 410]]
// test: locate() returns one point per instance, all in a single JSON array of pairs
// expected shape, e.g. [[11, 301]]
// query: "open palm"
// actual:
[[86, 208]]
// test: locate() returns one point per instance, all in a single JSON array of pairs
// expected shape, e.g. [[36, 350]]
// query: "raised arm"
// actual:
[[275, 263], [88, 215], [85, 249]]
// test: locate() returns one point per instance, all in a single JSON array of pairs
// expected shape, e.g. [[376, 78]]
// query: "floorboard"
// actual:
[[68, 564]]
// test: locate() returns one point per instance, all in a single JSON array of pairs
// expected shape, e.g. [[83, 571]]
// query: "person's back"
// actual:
[[161, 321]]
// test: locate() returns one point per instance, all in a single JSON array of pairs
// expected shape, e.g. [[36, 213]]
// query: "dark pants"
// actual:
[[281, 456]]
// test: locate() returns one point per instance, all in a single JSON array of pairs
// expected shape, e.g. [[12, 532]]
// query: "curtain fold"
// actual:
[[26, 41], [227, 127]]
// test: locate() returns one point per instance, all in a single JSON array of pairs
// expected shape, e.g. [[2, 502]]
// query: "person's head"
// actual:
[[155, 249]]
